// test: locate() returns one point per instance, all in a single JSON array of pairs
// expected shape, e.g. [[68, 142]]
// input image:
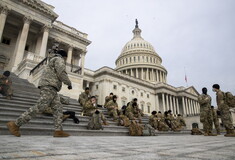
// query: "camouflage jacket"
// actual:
[[55, 73], [152, 119], [89, 106], [220, 99], [4, 81], [112, 105], [180, 120], [205, 102], [107, 99], [83, 98]]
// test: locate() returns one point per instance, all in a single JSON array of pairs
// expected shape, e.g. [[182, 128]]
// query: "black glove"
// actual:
[[69, 87]]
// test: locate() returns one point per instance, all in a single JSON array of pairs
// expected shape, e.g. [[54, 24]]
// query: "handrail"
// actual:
[[38, 65]]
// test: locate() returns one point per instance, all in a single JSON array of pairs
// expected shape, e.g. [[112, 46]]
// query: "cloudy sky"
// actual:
[[192, 36]]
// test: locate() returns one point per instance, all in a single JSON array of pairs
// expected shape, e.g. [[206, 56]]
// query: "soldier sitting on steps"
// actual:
[[5, 85]]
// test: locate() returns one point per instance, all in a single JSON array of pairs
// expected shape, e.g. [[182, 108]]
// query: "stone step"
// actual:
[[66, 125], [74, 132]]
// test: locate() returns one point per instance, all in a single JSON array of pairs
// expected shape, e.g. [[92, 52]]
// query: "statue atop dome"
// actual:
[[136, 23]]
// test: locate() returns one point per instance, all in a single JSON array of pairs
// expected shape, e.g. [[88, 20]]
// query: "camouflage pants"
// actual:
[[48, 98], [162, 126], [113, 113], [6, 90], [216, 123], [132, 116], [206, 120], [227, 120]]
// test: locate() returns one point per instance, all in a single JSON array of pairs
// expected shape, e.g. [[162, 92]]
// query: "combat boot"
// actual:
[[13, 128], [230, 133], [206, 134], [212, 134], [61, 134]]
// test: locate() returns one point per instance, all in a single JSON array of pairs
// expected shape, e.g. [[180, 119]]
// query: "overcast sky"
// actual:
[[198, 35]]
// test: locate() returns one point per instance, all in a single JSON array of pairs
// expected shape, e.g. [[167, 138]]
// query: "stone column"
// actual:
[[3, 17], [131, 72], [43, 48], [83, 62], [177, 105], [184, 108], [174, 105], [189, 107], [160, 76], [137, 73], [22, 42], [157, 76], [167, 102], [163, 102], [70, 54], [152, 74], [157, 103], [147, 74], [142, 73], [170, 99]]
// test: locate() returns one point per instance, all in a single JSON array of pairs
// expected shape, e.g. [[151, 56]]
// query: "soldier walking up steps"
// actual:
[[50, 83]]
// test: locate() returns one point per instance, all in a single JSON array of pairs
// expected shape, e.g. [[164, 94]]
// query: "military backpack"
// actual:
[[229, 99], [135, 129], [148, 130]]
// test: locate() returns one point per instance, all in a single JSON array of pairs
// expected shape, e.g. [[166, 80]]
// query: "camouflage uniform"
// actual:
[[181, 121], [226, 116], [83, 98], [112, 109], [6, 86], [162, 126], [205, 112], [215, 120], [132, 113], [50, 83], [89, 108], [153, 121], [95, 121], [124, 121], [107, 99], [172, 122]]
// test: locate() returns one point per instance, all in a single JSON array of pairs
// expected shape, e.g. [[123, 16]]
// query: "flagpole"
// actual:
[[185, 78]]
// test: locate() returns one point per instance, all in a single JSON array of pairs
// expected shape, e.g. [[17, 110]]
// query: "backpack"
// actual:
[[148, 130], [229, 99], [135, 129], [95, 122]]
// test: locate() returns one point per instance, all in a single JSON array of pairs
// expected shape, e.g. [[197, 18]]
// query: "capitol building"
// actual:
[[28, 29]]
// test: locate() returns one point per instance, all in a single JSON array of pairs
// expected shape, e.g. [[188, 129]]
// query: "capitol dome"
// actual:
[[139, 59]]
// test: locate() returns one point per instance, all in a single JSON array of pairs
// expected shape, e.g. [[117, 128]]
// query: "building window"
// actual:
[[6, 41], [97, 86], [27, 48], [133, 92], [123, 89], [148, 109], [147, 95], [142, 107], [114, 86]]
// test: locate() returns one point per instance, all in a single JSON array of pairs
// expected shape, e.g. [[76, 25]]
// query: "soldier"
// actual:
[[132, 112], [50, 83], [84, 96], [112, 107], [181, 121], [215, 120], [108, 98], [162, 126], [95, 121], [172, 122], [5, 85], [205, 112], [90, 106], [226, 116], [153, 120]]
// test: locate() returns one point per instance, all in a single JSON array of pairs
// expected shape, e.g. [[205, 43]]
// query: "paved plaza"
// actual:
[[182, 147]]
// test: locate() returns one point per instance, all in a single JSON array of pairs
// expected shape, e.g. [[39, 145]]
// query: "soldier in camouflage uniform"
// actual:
[[112, 107], [162, 126], [226, 116], [132, 112], [153, 120], [181, 121], [108, 98], [6, 85], [135, 100], [84, 96], [215, 120], [50, 83], [205, 112]]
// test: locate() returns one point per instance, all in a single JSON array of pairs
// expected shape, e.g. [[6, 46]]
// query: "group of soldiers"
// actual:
[[123, 116], [167, 121], [208, 115]]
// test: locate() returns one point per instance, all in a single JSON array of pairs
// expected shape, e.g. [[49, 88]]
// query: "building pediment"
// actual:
[[192, 90]]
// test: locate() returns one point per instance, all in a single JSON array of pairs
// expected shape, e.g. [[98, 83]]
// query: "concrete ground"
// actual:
[[172, 147]]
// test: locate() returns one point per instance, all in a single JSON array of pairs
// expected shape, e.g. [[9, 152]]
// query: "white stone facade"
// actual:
[[28, 28]]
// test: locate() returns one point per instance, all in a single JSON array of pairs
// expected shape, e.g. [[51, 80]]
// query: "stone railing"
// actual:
[[69, 68], [32, 56]]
